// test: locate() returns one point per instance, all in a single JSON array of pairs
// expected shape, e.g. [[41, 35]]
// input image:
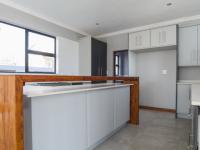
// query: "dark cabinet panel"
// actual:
[[99, 58]]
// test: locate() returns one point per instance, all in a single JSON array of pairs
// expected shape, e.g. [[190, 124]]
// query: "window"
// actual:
[[40, 53], [24, 50], [12, 48]]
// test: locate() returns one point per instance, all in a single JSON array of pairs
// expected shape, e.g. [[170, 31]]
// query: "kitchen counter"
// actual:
[[195, 95], [35, 91], [195, 100], [12, 102], [82, 115], [188, 82]]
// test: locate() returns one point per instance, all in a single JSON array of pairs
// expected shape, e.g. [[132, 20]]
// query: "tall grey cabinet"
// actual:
[[92, 57], [99, 58], [189, 46]]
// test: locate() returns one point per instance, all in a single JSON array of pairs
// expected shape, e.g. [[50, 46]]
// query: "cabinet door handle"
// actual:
[[140, 40], [194, 56], [136, 40], [190, 93], [191, 57], [159, 37], [163, 36]]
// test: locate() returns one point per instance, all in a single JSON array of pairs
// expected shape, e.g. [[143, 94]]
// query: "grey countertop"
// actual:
[[35, 91], [188, 82], [195, 95]]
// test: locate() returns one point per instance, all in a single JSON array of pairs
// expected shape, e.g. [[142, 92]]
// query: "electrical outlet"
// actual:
[[164, 72]]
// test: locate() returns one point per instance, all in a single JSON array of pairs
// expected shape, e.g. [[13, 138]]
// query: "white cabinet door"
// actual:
[[122, 103], [183, 99], [155, 37], [169, 36], [139, 40], [165, 36], [100, 114], [59, 122], [187, 52]]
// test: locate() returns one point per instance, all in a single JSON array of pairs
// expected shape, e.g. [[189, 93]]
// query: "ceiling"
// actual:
[[112, 15]]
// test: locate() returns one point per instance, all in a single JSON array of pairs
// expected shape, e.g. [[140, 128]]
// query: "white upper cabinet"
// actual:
[[165, 36], [160, 37], [139, 40], [188, 49]]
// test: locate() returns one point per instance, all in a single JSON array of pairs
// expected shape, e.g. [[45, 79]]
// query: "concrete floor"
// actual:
[[157, 131]]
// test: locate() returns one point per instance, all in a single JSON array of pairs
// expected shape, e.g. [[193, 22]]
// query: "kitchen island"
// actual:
[[11, 103], [75, 117], [195, 100]]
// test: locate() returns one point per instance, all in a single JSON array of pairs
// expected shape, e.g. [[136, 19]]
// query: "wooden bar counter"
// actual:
[[11, 103]]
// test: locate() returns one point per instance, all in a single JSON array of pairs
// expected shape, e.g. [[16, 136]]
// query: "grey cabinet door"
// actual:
[[188, 53], [183, 99]]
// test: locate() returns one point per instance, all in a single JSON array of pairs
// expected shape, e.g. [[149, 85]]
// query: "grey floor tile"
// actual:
[[157, 131]]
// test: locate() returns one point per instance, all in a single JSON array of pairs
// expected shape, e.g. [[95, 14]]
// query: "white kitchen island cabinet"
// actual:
[[108, 110], [76, 119], [58, 122], [100, 115], [122, 103]]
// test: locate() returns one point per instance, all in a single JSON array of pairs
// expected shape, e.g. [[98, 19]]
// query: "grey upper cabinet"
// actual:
[[165, 36], [188, 46], [153, 38], [139, 40]]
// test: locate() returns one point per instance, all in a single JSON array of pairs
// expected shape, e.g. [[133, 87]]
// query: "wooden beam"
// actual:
[[11, 114], [158, 109], [11, 103]]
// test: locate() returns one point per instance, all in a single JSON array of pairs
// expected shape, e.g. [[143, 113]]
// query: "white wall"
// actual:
[[132, 63], [85, 47], [157, 89], [114, 43], [67, 56]]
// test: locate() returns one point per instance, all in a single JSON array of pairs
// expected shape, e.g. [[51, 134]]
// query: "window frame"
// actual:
[[27, 51]]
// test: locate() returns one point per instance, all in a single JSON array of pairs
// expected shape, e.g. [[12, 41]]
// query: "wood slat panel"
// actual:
[[8, 97], [135, 102]]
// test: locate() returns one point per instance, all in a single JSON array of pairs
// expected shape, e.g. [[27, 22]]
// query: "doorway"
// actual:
[[120, 60]]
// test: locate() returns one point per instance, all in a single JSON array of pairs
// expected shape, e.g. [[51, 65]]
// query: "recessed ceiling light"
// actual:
[[168, 4]]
